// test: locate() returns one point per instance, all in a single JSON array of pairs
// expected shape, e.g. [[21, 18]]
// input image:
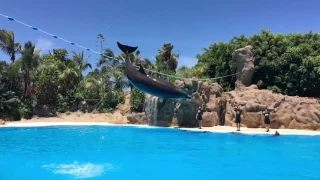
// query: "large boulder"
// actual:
[[186, 114], [210, 119], [45, 111], [188, 85], [245, 66], [137, 118]]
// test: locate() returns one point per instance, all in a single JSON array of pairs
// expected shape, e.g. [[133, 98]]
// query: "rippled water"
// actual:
[[112, 152]]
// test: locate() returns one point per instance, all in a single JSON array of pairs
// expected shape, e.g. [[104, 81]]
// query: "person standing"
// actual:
[[238, 112], [266, 114], [199, 117]]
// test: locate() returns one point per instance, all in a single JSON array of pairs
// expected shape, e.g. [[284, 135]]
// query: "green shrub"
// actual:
[[18, 114], [260, 84], [275, 89], [137, 100]]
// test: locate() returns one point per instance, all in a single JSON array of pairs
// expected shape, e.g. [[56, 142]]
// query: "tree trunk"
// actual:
[[12, 57], [26, 83]]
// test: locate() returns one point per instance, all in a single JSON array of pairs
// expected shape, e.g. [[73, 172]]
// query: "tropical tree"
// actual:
[[135, 57], [107, 58], [166, 59], [114, 69], [9, 101], [30, 59], [101, 92], [82, 62], [48, 81], [101, 42], [8, 44]]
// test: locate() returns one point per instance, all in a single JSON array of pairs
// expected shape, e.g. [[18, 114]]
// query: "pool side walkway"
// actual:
[[244, 130], [216, 129]]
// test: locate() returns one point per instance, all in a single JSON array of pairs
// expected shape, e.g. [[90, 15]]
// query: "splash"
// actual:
[[78, 170]]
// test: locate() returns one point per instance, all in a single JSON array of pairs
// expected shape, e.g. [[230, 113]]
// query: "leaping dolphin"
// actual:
[[150, 85]]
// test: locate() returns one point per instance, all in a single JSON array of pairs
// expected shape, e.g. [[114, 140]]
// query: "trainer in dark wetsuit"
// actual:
[[238, 111], [199, 117], [266, 119]]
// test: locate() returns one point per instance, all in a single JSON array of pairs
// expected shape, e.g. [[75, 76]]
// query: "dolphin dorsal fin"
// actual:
[[141, 69]]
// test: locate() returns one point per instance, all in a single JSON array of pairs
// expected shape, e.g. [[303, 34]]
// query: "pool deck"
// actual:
[[244, 130], [215, 129]]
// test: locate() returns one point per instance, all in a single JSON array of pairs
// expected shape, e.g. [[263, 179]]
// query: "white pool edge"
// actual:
[[219, 129]]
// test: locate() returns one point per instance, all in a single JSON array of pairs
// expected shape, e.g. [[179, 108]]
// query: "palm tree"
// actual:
[[69, 75], [100, 40], [8, 44], [147, 64], [13, 72], [115, 69], [105, 58], [82, 62], [100, 84], [169, 58], [135, 58], [29, 62]]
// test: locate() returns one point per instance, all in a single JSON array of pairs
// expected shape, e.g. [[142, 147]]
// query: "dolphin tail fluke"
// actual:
[[126, 48], [163, 102]]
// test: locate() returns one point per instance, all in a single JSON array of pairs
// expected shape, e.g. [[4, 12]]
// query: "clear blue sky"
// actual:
[[190, 26]]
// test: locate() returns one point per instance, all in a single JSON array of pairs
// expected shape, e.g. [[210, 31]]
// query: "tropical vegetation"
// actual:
[[288, 64]]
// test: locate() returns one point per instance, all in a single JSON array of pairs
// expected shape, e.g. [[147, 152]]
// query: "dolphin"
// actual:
[[150, 85]]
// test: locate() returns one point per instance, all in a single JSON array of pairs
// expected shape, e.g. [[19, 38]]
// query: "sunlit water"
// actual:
[[116, 153]]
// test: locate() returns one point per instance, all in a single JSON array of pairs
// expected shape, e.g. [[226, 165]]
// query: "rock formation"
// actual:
[[124, 108], [245, 66], [159, 116], [45, 111], [137, 118], [287, 111], [205, 94]]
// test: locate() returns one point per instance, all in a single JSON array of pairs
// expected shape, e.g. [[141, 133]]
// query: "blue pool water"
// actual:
[[116, 153]]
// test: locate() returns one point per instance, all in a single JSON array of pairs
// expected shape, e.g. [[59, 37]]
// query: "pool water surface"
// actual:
[[135, 153]]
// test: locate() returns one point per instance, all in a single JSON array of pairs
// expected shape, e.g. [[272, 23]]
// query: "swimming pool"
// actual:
[[114, 152]]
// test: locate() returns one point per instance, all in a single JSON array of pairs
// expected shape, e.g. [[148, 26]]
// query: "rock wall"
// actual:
[[137, 118], [287, 111], [186, 114]]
